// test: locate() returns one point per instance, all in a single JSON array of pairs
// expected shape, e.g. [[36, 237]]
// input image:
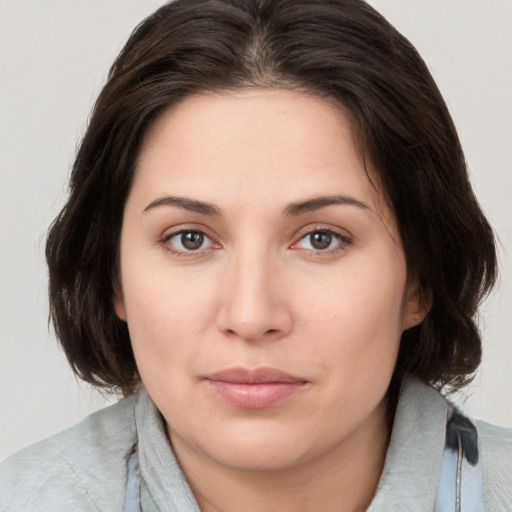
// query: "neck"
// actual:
[[343, 479]]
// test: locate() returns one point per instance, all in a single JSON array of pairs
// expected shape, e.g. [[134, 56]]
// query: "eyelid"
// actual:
[[194, 228], [346, 239]]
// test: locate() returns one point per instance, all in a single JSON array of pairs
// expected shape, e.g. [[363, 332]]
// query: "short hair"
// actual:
[[337, 49]]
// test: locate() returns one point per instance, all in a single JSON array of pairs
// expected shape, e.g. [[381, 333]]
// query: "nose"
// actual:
[[254, 303]]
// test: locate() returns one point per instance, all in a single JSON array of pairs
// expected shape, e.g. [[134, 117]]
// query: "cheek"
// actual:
[[355, 301], [166, 312], [164, 327], [354, 320]]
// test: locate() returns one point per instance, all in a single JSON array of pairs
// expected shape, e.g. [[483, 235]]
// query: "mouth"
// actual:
[[254, 389]]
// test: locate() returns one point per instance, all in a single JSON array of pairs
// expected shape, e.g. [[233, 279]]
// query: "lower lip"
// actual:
[[256, 395]]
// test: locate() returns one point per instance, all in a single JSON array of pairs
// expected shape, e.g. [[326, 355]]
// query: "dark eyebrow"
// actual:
[[316, 203], [187, 204]]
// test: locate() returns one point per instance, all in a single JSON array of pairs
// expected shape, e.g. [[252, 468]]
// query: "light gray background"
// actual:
[[54, 55]]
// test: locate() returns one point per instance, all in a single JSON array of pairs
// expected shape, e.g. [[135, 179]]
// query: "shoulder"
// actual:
[[496, 446], [81, 469]]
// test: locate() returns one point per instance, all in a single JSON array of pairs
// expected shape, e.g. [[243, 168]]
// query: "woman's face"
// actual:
[[262, 279]]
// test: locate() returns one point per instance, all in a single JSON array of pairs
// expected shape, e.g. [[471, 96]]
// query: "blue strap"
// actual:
[[461, 481], [132, 499]]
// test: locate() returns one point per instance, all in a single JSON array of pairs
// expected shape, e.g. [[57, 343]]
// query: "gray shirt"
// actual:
[[84, 469]]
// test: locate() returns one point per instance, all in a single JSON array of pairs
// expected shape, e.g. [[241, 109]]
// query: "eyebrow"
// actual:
[[187, 204], [293, 209], [317, 203]]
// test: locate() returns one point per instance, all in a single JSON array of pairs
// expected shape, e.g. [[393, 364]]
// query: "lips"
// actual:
[[254, 389]]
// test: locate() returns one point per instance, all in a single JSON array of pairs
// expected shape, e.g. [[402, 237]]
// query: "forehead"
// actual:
[[254, 142]]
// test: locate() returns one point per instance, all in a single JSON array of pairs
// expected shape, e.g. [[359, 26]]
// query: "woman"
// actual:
[[271, 247]]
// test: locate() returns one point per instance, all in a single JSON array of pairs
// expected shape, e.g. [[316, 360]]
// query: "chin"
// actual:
[[259, 446], [260, 456]]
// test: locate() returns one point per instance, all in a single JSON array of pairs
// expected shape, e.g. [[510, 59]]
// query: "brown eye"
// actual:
[[192, 240], [320, 240], [323, 240], [188, 241]]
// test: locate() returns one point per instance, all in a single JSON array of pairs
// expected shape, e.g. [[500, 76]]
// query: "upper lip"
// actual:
[[253, 376]]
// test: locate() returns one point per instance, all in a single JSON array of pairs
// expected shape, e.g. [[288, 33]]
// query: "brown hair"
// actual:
[[340, 49]]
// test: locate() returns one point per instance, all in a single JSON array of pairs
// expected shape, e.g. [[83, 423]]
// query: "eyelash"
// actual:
[[165, 242], [342, 242]]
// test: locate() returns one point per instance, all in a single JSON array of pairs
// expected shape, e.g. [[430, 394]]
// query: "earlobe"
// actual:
[[119, 307], [417, 305], [118, 303]]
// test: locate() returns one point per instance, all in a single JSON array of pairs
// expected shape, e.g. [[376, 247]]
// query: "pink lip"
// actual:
[[254, 389]]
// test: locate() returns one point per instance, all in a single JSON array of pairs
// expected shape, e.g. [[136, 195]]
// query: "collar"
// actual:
[[411, 471]]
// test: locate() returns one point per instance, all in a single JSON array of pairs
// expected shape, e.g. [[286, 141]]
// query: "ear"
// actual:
[[417, 305], [118, 302]]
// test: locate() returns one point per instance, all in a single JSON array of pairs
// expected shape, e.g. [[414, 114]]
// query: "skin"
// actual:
[[258, 293]]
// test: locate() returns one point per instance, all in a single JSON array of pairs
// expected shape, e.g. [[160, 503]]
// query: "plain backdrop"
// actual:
[[54, 55]]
